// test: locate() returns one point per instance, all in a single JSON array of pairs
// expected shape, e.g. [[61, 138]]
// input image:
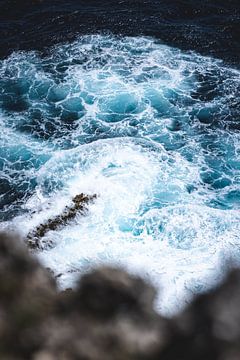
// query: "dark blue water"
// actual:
[[137, 102], [210, 27]]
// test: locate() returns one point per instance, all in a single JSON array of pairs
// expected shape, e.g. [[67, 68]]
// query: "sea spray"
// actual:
[[153, 131]]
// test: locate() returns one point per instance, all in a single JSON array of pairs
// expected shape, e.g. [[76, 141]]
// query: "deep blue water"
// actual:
[[209, 27], [139, 103]]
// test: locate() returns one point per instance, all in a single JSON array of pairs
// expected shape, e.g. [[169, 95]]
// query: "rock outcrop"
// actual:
[[79, 206], [27, 297], [109, 316]]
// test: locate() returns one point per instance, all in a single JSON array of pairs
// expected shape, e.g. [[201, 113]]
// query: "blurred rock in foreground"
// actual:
[[109, 316]]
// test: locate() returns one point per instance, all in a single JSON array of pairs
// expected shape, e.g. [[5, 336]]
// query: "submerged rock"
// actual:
[[109, 316], [69, 213]]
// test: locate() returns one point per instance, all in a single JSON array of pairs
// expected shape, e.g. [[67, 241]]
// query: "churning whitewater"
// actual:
[[153, 131]]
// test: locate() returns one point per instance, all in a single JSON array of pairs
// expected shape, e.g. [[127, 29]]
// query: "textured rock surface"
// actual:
[[110, 316], [27, 297], [79, 203]]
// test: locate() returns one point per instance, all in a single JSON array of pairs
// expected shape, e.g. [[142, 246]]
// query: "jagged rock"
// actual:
[[27, 296], [210, 327], [109, 316], [109, 292], [79, 206]]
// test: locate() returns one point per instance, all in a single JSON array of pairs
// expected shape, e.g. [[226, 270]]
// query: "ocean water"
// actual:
[[153, 130]]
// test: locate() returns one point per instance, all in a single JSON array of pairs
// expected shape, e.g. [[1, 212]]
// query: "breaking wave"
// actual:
[[153, 131]]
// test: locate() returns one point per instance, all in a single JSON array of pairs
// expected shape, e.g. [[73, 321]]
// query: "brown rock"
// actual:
[[79, 206]]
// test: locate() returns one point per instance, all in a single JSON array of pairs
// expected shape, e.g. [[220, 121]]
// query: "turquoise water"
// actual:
[[153, 131]]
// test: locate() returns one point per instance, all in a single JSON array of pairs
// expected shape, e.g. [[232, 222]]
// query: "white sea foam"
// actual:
[[178, 245], [149, 129]]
